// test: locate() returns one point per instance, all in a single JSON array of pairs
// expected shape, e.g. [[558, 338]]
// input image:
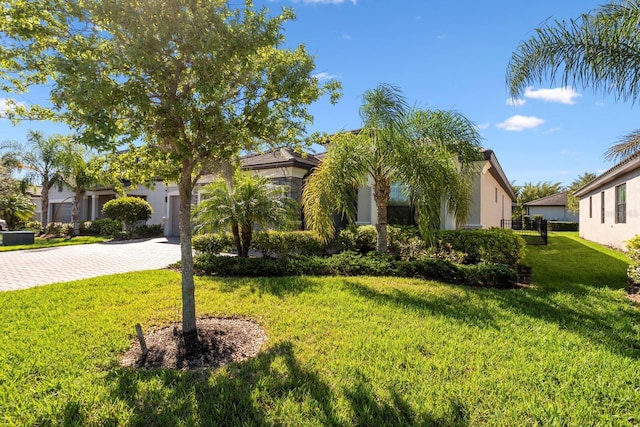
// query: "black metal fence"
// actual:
[[534, 232]]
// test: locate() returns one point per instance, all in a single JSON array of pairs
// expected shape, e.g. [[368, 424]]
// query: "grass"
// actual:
[[341, 351], [50, 242]]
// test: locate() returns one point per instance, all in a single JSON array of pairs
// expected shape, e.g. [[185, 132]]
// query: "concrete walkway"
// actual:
[[24, 269]]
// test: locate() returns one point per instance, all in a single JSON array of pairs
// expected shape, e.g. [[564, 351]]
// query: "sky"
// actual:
[[448, 55]]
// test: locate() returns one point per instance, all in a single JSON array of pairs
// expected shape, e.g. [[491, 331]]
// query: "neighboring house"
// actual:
[[492, 194], [610, 205], [492, 197], [553, 208]]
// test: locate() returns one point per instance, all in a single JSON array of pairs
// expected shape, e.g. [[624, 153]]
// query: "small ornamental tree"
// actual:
[[129, 210]]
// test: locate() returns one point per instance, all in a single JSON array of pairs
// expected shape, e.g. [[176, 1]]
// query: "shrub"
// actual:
[[361, 239], [59, 229], [633, 251], [103, 227], [129, 210], [151, 230], [277, 243], [213, 243], [495, 245], [350, 263], [33, 225], [562, 226]]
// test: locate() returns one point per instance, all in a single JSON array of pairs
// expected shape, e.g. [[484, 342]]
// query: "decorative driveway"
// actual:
[[28, 268]]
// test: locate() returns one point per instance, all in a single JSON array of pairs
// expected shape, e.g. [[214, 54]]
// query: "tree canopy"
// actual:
[[192, 81], [599, 49]]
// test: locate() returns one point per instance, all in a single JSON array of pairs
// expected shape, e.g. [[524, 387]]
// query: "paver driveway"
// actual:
[[24, 269]]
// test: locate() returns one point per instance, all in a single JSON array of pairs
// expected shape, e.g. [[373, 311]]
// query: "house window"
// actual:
[[602, 207], [621, 204], [590, 207], [496, 194]]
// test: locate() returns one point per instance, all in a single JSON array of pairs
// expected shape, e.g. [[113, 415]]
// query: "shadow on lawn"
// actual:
[[278, 286], [255, 393]]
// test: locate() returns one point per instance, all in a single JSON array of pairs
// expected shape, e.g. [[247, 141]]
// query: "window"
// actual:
[[621, 204], [496, 194], [602, 207], [590, 207]]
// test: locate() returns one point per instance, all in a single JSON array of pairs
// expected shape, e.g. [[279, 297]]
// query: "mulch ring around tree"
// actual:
[[633, 293], [221, 341]]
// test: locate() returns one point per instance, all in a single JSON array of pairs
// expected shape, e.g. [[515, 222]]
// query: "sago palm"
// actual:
[[599, 49], [241, 204]]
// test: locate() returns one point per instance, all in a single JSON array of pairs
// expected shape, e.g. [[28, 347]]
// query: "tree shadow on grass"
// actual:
[[243, 396], [453, 306], [370, 410], [277, 286]]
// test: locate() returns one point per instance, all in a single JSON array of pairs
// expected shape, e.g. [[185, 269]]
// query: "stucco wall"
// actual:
[[552, 213], [609, 233], [493, 204]]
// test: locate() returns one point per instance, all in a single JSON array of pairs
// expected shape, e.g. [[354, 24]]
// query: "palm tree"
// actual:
[[241, 203], [430, 151], [80, 172], [43, 158], [598, 49]]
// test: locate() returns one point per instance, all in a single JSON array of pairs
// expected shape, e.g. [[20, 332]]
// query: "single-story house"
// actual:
[[553, 208], [492, 194], [610, 206]]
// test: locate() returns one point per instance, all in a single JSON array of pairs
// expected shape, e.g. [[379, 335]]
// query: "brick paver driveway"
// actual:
[[24, 269]]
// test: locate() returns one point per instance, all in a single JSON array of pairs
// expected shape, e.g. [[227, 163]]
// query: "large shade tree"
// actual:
[[431, 152], [192, 82], [599, 49]]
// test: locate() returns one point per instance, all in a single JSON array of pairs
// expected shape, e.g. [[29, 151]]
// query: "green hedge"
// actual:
[[494, 245], [562, 226], [353, 264], [277, 243], [101, 227], [213, 243]]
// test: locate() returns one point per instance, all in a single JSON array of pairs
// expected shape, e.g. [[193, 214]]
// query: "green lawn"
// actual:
[[341, 351], [40, 242]]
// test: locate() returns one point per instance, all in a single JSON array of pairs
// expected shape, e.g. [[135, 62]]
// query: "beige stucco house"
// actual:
[[610, 206], [491, 199], [492, 194]]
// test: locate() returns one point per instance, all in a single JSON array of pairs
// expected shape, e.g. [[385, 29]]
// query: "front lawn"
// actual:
[[341, 350], [40, 242]]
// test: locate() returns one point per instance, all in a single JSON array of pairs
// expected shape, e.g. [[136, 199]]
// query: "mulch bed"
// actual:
[[222, 341], [633, 293]]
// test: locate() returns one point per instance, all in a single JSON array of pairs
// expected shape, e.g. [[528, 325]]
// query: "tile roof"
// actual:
[[558, 199], [279, 157]]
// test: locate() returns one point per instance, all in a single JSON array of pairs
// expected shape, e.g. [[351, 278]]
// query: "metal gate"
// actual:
[[534, 232]]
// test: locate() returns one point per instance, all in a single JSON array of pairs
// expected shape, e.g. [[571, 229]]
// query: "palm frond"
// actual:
[[625, 147]]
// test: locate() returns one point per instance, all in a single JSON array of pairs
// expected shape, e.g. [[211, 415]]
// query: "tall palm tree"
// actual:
[[241, 203], [43, 158], [80, 172], [599, 49], [430, 151]]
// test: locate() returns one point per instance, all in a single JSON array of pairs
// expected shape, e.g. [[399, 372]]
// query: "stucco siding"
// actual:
[[552, 213], [609, 232]]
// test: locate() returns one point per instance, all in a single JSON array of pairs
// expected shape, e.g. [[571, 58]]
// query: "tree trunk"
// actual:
[[246, 239], [381, 192], [236, 238], [189, 331], [75, 211], [44, 201]]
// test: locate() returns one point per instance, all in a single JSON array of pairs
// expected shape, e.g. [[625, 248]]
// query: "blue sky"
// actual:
[[449, 55]]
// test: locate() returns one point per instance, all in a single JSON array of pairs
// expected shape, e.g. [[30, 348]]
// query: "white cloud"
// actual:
[[483, 125], [600, 104], [564, 172], [552, 130], [516, 102], [7, 104], [346, 36], [563, 95], [324, 76], [518, 123]]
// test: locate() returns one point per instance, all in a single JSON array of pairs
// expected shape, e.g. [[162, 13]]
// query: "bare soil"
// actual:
[[633, 293], [221, 341]]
